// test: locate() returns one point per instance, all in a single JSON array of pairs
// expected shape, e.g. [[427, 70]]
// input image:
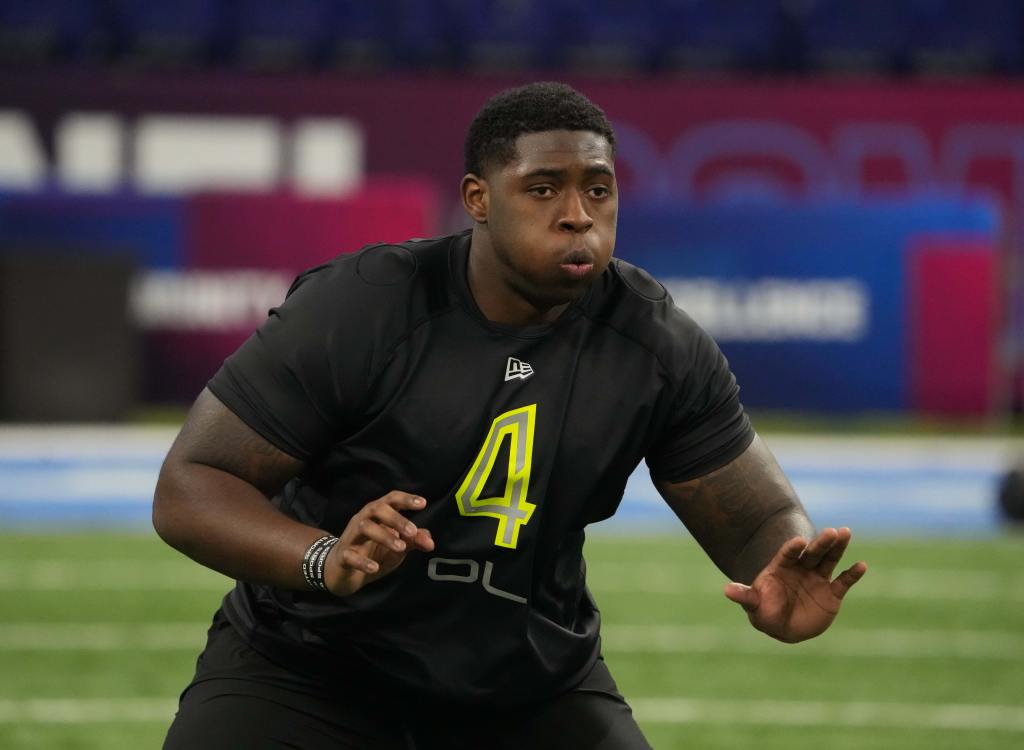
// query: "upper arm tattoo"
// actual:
[[214, 436], [725, 510]]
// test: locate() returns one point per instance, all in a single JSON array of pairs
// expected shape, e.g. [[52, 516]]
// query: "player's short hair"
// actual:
[[533, 108]]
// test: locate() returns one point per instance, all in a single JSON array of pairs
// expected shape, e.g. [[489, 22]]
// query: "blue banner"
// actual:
[[807, 300]]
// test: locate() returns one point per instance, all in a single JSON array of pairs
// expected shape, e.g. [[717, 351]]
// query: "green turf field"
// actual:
[[98, 633]]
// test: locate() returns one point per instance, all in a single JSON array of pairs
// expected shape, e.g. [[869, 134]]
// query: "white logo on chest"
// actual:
[[516, 368]]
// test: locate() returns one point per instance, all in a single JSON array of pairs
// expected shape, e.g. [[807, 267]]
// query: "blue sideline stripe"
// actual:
[[879, 474], [63, 515], [76, 491], [70, 464]]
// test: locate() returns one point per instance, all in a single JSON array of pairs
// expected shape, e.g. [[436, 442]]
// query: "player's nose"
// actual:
[[574, 213]]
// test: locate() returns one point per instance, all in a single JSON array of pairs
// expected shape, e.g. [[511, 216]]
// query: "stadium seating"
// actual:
[[966, 36], [275, 35], [608, 35], [503, 35], [358, 36], [926, 36], [703, 35], [47, 30], [869, 36], [183, 33]]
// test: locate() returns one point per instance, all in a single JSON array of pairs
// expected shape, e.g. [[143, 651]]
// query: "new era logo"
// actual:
[[516, 368]]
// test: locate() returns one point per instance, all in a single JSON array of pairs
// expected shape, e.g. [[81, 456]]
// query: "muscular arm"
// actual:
[[749, 520], [213, 504], [212, 499], [742, 513]]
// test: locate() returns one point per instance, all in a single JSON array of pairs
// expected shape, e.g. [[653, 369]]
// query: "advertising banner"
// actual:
[[209, 265], [691, 139], [810, 300], [689, 144]]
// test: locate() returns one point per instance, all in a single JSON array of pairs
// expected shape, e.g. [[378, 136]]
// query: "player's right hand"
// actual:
[[375, 542]]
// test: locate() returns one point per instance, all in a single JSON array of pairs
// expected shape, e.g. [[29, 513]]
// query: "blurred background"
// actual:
[[833, 188]]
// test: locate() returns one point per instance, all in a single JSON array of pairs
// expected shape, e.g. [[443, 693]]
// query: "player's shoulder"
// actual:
[[415, 261], [377, 275], [632, 302], [637, 284]]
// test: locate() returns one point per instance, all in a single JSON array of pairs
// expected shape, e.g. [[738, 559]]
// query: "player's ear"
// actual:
[[475, 197]]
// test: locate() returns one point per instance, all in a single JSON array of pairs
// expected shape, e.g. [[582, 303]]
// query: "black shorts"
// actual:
[[240, 699]]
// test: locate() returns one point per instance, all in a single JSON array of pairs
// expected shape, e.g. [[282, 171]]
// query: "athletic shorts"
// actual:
[[241, 700]]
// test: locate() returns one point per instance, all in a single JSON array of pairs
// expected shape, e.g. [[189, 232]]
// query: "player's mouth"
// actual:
[[578, 264]]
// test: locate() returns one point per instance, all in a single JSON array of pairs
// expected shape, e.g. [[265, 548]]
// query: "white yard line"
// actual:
[[87, 711], [836, 714], [622, 578], [625, 639], [888, 643], [102, 636], [905, 583], [648, 711], [108, 575]]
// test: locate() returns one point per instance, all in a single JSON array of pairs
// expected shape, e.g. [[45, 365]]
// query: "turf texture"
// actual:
[[99, 633]]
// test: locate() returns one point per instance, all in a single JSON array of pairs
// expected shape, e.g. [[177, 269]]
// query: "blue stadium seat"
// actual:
[[357, 35], [40, 31], [180, 33], [270, 34], [863, 36], [717, 34], [629, 36], [967, 36], [607, 35], [500, 35], [424, 35]]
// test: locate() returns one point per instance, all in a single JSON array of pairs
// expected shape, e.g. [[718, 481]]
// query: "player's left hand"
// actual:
[[794, 598]]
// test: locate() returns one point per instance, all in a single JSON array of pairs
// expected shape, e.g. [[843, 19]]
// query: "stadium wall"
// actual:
[[706, 168]]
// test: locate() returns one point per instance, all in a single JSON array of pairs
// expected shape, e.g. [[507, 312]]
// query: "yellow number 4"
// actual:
[[511, 509]]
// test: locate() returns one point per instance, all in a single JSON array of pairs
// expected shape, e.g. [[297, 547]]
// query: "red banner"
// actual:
[[241, 254], [953, 320], [282, 231]]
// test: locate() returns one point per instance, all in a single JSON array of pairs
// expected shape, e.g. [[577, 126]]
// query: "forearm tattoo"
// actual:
[[741, 513]]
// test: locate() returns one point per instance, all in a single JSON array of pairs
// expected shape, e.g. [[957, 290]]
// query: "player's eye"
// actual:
[[600, 191], [542, 191]]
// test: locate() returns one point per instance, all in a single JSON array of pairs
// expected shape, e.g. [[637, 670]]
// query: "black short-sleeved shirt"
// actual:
[[380, 372]]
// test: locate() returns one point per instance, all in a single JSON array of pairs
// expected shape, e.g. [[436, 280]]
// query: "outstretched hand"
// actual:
[[794, 597], [375, 542]]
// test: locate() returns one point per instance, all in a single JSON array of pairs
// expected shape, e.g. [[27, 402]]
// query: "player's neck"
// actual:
[[496, 293]]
